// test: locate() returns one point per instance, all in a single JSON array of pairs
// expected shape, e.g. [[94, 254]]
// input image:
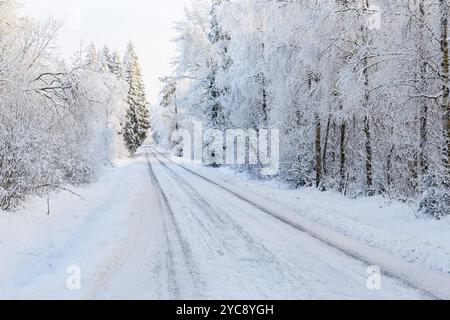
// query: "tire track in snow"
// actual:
[[218, 217], [298, 227], [221, 220], [186, 250]]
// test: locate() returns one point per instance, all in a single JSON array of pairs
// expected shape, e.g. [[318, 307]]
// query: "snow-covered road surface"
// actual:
[[154, 230]]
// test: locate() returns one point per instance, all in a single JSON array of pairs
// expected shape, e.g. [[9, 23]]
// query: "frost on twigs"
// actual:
[[58, 122], [358, 90]]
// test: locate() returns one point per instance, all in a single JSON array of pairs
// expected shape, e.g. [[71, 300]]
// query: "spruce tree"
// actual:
[[116, 65], [92, 60], [130, 136], [138, 117], [106, 59]]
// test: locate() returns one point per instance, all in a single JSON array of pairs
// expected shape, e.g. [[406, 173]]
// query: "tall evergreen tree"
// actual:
[[106, 59], [92, 61], [137, 117], [116, 65]]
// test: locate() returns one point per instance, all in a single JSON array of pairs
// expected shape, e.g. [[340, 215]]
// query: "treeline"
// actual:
[[358, 88], [60, 123]]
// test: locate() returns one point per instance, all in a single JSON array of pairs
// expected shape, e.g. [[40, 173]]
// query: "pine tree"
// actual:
[[130, 136], [137, 117], [106, 59], [116, 65], [91, 60]]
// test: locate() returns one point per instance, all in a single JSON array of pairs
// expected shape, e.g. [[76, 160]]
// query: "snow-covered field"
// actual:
[[151, 229]]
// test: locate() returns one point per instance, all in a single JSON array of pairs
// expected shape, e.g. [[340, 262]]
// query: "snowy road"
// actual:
[[207, 243], [154, 230]]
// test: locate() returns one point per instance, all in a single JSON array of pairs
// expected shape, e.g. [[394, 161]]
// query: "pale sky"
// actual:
[[148, 23]]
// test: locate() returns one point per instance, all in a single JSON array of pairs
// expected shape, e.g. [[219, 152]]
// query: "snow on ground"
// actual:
[[150, 229], [37, 249], [392, 226]]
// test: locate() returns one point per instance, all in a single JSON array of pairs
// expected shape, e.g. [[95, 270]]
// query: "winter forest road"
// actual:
[[152, 229], [200, 242]]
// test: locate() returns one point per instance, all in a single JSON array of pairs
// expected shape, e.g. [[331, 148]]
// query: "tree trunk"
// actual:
[[343, 157], [389, 166], [366, 102], [318, 137], [325, 146], [177, 125], [264, 105], [445, 86], [423, 160], [369, 156], [318, 150]]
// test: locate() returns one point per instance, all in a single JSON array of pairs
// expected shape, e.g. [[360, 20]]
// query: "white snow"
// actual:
[[376, 221], [205, 243], [36, 249]]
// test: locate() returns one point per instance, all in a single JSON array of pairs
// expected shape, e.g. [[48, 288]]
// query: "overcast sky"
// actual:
[[149, 24]]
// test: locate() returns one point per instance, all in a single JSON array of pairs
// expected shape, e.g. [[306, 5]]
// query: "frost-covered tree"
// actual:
[[169, 100], [106, 59], [359, 89], [58, 122], [116, 66], [92, 61], [137, 122], [218, 62]]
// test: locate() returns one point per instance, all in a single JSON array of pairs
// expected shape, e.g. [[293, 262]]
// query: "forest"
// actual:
[[359, 90], [62, 122]]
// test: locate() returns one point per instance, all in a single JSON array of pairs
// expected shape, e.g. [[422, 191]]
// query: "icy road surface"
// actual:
[[154, 230]]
